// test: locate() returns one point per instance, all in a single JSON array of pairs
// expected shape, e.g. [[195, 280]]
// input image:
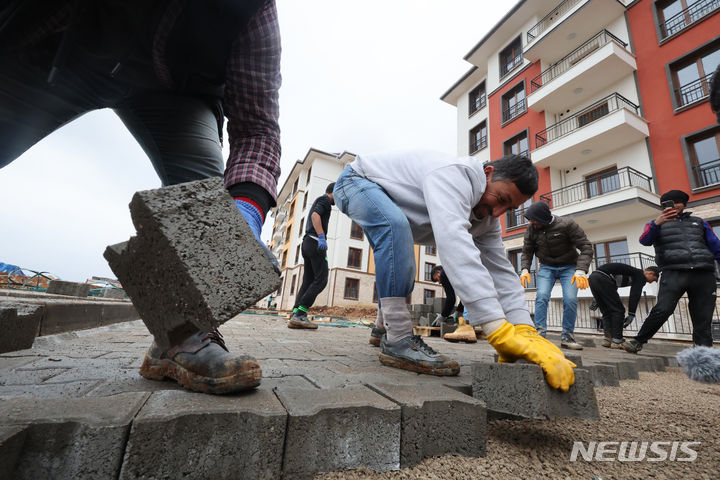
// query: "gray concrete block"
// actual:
[[604, 375], [61, 316], [11, 441], [573, 357], [19, 324], [626, 370], [79, 438], [438, 303], [437, 421], [117, 293], [194, 263], [338, 429], [520, 390], [74, 289], [183, 434], [447, 327]]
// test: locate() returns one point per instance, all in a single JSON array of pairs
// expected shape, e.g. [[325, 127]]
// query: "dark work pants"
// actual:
[[604, 290], [179, 133], [315, 276], [701, 291]]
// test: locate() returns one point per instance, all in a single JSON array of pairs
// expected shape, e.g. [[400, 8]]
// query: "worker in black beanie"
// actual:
[[686, 249]]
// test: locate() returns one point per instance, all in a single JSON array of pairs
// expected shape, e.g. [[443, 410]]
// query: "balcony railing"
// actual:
[[636, 259], [506, 68], [548, 20], [574, 57], [515, 218], [707, 173], [694, 91], [513, 111], [688, 16], [595, 111], [477, 103], [597, 186], [478, 144]]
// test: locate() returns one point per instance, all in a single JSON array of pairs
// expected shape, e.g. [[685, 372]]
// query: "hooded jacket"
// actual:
[[557, 244]]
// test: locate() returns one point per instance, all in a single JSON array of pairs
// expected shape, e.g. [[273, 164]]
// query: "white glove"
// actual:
[[438, 320]]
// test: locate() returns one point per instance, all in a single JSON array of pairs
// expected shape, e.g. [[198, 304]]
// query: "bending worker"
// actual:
[[438, 275]]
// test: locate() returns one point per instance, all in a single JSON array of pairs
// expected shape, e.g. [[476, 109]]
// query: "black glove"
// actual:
[[593, 306], [628, 320]]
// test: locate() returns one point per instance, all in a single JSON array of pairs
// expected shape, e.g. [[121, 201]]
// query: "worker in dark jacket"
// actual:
[[438, 275], [686, 249], [555, 241], [604, 284]]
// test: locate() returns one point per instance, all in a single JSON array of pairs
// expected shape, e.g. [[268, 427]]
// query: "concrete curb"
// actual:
[[19, 324]]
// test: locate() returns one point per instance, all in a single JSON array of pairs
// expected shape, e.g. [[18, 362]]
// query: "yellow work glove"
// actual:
[[525, 278], [531, 334], [580, 280], [511, 344]]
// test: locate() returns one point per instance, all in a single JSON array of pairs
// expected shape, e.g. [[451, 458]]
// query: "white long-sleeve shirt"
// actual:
[[437, 193]]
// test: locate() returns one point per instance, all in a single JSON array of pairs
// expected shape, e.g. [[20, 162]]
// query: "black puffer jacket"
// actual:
[[557, 245], [681, 245]]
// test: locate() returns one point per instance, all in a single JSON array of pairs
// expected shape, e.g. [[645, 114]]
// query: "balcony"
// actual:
[[605, 126], [566, 25], [514, 111], [579, 75], [687, 17], [707, 174], [635, 259], [693, 91], [478, 144], [603, 199]]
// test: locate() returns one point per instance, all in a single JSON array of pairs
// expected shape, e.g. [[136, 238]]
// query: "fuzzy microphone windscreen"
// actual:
[[701, 364]]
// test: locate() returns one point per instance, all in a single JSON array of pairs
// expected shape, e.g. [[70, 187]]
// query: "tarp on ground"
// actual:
[[11, 269]]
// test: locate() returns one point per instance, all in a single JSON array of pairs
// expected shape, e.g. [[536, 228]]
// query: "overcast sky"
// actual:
[[357, 76]]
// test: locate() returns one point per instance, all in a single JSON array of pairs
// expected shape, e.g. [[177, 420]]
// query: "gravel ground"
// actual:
[[659, 407]]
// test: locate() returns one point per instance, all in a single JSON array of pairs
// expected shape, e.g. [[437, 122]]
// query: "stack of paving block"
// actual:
[[195, 262], [19, 324], [420, 314]]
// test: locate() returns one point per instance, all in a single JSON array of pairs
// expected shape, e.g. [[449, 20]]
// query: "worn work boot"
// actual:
[[632, 346], [202, 363], [568, 341], [413, 354], [606, 342], [299, 319], [618, 344], [376, 335], [463, 333]]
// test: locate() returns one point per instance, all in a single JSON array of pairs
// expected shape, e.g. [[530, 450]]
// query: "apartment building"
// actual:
[[351, 263], [609, 100]]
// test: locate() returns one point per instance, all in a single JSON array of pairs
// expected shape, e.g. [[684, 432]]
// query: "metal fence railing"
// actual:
[[549, 20], [707, 173], [690, 15], [514, 110], [573, 58], [478, 144], [597, 110], [693, 91], [597, 186]]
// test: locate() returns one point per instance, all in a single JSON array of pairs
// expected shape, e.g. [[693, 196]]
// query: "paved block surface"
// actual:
[[19, 325], [627, 369], [337, 429], [207, 436], [194, 263], [73, 289], [604, 375], [437, 421], [79, 438], [11, 441], [520, 389]]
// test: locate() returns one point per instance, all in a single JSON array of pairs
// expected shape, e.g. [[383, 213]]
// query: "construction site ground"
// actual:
[[63, 377]]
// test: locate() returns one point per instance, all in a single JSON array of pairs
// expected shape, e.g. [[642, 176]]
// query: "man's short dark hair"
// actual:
[[517, 169], [654, 269], [435, 269], [330, 188]]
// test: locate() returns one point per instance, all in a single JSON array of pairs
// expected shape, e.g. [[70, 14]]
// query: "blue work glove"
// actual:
[[255, 221], [322, 242]]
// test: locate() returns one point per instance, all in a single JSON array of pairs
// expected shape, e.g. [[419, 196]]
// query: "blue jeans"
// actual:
[[545, 280], [387, 230]]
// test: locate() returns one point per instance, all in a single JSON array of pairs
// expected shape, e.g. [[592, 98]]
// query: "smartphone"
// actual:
[[667, 204]]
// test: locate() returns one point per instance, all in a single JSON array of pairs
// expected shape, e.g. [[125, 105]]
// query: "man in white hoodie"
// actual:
[[430, 198]]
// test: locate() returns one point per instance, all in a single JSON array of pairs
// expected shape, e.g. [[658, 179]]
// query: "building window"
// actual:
[[375, 293], [517, 145], [593, 114], [292, 285], [511, 57], [307, 180], [301, 231], [356, 231], [691, 75], [430, 250], [305, 200], [515, 257], [295, 186], [287, 233], [615, 251], [477, 99], [297, 254], [602, 182], [478, 137], [676, 15], [352, 286], [284, 259], [354, 258], [428, 271], [513, 103], [292, 209], [428, 294], [704, 152], [515, 217]]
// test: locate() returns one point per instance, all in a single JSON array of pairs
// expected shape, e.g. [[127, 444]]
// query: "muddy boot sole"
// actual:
[[161, 369], [307, 326], [447, 370], [464, 338]]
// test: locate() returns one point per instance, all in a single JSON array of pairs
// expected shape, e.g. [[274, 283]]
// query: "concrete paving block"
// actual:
[[79, 438], [604, 375], [437, 421], [338, 429], [438, 303], [626, 370], [118, 293], [73, 289], [11, 442], [573, 357], [520, 390], [183, 434], [447, 327], [194, 263], [19, 324]]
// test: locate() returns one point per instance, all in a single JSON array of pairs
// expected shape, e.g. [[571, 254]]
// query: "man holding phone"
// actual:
[[686, 249]]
